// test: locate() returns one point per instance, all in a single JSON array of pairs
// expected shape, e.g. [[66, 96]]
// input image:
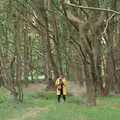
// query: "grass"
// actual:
[[43, 106]]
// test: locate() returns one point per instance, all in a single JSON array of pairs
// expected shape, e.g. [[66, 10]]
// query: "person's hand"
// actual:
[[61, 83]]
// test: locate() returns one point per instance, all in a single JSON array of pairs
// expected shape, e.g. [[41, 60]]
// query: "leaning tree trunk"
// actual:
[[17, 27], [26, 53]]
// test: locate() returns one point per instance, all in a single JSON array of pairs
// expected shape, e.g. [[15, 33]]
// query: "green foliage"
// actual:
[[36, 78], [56, 5]]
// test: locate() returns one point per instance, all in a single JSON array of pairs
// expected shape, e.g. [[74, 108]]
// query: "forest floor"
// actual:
[[42, 105]]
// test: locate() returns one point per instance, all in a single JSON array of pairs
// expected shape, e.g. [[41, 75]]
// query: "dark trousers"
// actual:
[[59, 97]]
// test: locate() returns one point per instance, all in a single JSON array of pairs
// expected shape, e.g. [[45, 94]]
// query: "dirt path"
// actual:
[[72, 88], [75, 89], [30, 113], [35, 87]]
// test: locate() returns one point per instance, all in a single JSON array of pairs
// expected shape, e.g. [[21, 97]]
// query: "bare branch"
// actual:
[[107, 23], [92, 8]]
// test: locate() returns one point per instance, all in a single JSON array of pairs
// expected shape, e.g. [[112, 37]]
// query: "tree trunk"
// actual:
[[91, 93]]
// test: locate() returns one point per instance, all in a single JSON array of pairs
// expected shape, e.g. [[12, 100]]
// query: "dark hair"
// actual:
[[61, 74]]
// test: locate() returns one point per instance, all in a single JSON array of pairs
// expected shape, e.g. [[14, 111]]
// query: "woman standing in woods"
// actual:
[[61, 84]]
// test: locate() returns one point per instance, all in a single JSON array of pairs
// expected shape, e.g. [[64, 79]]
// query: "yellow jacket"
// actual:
[[65, 82]]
